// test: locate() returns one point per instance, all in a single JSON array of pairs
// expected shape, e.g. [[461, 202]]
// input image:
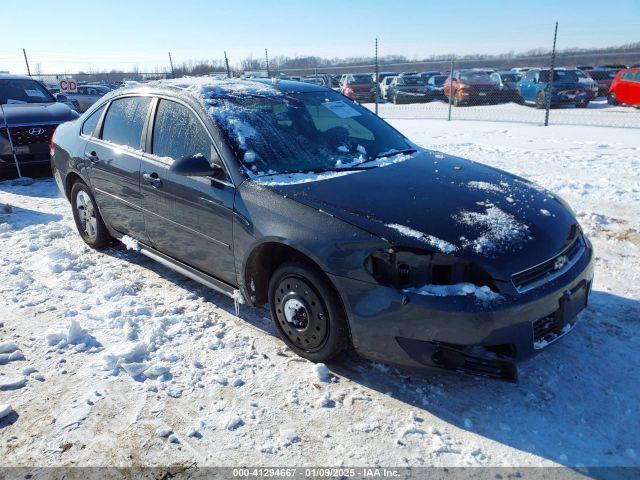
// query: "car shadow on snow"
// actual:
[[575, 402], [19, 218]]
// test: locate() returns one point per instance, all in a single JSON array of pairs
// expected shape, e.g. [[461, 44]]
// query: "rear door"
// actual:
[[113, 157], [187, 218]]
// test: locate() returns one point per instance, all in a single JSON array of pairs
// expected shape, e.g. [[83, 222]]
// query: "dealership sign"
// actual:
[[68, 85]]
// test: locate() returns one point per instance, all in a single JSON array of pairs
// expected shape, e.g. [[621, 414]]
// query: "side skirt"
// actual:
[[188, 271]]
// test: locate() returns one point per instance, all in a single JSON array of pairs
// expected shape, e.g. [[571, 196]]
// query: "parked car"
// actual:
[[428, 74], [614, 66], [603, 78], [61, 97], [590, 85], [566, 90], [87, 95], [625, 88], [384, 85], [409, 89], [436, 85], [471, 87], [359, 87], [28, 118], [285, 217], [507, 82], [383, 75]]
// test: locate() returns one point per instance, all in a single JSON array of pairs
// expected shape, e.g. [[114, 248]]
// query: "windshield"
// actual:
[[475, 77], [602, 75], [413, 80], [361, 79], [17, 90], [560, 76], [510, 77], [309, 131]]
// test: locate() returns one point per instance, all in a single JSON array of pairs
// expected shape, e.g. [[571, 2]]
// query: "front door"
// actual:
[[187, 218], [113, 156]]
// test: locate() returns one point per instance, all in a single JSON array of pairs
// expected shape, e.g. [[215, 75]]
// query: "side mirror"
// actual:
[[61, 97], [195, 166]]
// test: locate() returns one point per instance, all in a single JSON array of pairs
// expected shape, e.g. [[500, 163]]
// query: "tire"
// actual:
[[88, 220], [395, 99], [306, 311], [582, 104], [612, 100]]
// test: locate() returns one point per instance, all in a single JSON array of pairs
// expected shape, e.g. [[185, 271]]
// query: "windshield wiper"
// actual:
[[394, 152]]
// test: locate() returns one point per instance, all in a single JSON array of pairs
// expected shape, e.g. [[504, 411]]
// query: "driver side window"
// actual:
[[178, 133]]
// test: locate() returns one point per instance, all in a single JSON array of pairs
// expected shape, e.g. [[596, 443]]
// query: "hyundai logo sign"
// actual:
[[36, 131]]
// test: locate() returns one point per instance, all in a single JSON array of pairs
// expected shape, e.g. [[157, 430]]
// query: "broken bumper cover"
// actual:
[[462, 333]]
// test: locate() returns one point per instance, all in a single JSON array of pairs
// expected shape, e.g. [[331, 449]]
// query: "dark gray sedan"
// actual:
[[289, 194]]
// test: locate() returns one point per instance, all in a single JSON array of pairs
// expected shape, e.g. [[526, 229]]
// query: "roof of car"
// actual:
[[8, 76], [197, 86]]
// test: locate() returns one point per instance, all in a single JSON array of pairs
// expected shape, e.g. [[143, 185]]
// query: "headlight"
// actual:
[[462, 86], [406, 268]]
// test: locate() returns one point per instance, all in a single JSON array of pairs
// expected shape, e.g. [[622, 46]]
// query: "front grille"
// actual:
[[25, 135], [546, 271], [544, 328]]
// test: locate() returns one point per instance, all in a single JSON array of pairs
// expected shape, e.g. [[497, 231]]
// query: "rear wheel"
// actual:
[[612, 100], [88, 220], [306, 311]]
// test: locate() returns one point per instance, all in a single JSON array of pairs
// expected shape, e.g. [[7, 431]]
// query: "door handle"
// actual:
[[92, 156], [152, 178]]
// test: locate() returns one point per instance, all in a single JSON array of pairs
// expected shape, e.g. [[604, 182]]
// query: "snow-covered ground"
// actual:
[[598, 113], [124, 362]]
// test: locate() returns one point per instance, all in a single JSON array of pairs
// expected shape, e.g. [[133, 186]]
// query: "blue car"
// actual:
[[566, 88]]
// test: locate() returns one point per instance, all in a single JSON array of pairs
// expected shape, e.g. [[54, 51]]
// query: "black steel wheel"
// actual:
[[307, 312]]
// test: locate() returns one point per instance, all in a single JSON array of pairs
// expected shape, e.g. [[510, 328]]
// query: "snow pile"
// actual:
[[130, 243], [322, 372], [74, 335], [5, 410], [8, 347], [440, 245], [130, 353], [12, 383], [482, 293], [498, 229]]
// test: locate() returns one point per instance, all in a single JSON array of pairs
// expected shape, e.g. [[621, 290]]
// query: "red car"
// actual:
[[469, 87], [625, 88]]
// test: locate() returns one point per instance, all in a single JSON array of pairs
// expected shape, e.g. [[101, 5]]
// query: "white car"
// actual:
[[87, 95], [384, 85]]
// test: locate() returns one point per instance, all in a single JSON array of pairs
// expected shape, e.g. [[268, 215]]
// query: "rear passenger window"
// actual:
[[124, 121], [178, 133], [89, 125]]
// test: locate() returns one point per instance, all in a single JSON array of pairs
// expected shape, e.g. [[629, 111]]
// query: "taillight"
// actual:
[[51, 142]]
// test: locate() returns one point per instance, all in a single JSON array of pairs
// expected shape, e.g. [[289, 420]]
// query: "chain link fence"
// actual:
[[516, 89]]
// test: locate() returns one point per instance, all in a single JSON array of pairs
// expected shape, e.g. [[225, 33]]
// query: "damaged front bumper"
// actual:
[[463, 333]]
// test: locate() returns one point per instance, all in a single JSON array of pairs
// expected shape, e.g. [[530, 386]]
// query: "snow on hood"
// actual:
[[447, 204]]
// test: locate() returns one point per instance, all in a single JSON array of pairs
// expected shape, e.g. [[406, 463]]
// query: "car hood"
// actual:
[[36, 113], [412, 88], [444, 203]]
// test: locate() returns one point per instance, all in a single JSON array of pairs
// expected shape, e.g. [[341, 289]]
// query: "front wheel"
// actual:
[[306, 311], [88, 220], [612, 100]]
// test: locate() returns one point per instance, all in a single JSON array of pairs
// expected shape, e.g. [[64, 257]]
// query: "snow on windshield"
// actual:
[[272, 132]]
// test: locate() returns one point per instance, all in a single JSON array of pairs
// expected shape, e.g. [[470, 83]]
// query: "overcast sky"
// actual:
[[70, 36]]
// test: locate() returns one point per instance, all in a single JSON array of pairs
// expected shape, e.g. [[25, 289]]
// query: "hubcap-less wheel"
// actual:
[[86, 214], [301, 314]]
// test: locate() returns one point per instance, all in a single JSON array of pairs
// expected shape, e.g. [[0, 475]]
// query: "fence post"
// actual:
[[377, 79], [450, 90], [550, 82], [226, 62], [173, 73], [24, 52], [266, 57]]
